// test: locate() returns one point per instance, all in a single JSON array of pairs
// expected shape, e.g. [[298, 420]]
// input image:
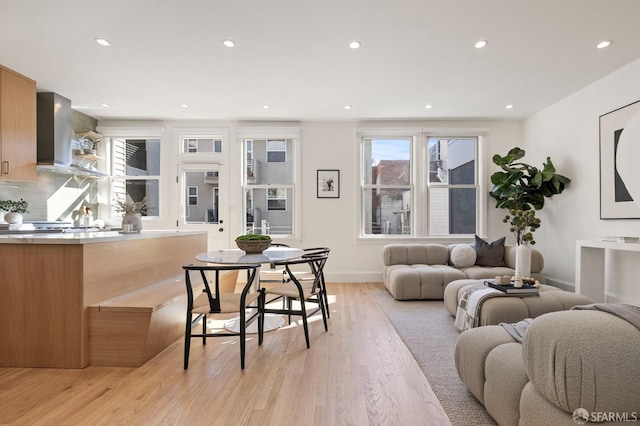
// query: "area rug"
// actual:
[[428, 330]]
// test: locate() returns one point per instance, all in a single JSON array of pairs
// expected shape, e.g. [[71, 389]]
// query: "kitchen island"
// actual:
[[54, 287]]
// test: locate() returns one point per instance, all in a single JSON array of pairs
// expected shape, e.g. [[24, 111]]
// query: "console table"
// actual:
[[592, 259]]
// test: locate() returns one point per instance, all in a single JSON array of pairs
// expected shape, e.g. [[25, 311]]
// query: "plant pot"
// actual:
[[253, 246], [134, 219], [523, 261], [13, 217]]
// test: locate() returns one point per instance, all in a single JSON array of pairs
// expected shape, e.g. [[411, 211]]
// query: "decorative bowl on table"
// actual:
[[253, 244]]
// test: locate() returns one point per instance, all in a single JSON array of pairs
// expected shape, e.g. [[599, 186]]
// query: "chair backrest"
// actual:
[[315, 262], [315, 250], [312, 253], [214, 296]]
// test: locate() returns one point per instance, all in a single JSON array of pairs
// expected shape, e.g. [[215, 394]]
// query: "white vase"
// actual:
[[135, 219], [13, 217], [523, 260]]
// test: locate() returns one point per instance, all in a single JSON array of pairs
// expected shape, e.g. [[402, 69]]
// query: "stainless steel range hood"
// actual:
[[54, 130], [55, 135]]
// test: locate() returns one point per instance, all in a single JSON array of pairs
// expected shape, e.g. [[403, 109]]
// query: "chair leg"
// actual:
[[323, 309], [187, 341], [204, 329], [326, 298], [261, 304], [304, 321], [243, 335]]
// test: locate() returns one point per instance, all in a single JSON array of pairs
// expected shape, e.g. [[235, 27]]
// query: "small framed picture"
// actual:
[[328, 183]]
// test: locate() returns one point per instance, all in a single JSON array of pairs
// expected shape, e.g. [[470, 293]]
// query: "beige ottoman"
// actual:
[[512, 309]]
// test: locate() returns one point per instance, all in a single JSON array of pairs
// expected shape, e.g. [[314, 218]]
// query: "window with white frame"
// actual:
[[419, 185], [135, 172], [269, 185], [201, 144]]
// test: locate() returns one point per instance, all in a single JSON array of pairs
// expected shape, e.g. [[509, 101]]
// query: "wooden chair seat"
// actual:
[[291, 290], [229, 303]]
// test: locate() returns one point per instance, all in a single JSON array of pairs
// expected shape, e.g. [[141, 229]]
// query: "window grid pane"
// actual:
[[136, 171], [269, 184]]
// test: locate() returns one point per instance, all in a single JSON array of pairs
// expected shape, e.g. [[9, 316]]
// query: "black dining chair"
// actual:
[[211, 301], [309, 274], [310, 253], [303, 291]]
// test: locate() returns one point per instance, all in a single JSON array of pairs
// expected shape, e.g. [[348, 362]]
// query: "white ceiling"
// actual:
[[293, 55]]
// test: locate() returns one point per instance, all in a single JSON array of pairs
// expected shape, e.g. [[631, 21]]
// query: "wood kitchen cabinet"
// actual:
[[17, 126]]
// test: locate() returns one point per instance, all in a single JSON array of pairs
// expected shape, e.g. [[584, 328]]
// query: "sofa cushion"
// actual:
[[406, 282], [463, 256], [584, 359], [489, 254]]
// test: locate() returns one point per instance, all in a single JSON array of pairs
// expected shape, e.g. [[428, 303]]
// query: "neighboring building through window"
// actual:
[[201, 144], [276, 199], [192, 195], [442, 181], [135, 172], [386, 192], [269, 185], [276, 151]]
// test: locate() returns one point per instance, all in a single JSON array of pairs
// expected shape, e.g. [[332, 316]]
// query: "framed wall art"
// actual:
[[328, 183], [619, 156]]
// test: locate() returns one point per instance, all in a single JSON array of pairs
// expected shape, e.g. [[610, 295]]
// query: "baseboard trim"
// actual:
[[562, 284], [353, 277]]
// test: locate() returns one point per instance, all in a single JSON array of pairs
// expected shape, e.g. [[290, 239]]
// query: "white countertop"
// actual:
[[90, 237]]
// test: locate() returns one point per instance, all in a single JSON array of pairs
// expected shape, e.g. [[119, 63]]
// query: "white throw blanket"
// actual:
[[468, 312]]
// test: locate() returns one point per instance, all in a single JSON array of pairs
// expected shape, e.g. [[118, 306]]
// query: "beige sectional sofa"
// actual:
[[571, 363], [422, 271]]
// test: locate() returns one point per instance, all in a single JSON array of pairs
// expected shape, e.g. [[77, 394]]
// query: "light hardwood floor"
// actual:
[[359, 373]]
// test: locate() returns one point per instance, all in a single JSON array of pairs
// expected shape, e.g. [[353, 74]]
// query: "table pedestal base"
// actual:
[[271, 322]]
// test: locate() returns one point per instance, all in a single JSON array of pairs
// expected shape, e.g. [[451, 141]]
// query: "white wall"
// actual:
[[568, 132], [332, 222]]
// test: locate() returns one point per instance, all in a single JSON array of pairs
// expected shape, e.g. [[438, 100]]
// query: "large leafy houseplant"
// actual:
[[522, 188]]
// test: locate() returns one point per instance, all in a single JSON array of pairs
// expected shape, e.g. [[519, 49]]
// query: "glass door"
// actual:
[[204, 201]]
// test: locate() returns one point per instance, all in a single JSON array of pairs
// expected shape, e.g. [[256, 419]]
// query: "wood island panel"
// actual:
[[46, 291], [41, 306]]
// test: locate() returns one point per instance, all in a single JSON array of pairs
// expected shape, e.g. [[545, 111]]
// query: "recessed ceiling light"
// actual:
[[265, 107], [104, 105], [603, 44], [103, 42], [184, 105], [480, 44], [354, 44], [347, 107], [228, 43], [510, 106], [428, 106]]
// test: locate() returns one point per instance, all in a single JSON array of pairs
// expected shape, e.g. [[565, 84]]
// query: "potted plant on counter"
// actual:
[[521, 189], [132, 212], [14, 210]]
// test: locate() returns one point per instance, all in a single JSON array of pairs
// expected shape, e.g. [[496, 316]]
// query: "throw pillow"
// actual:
[[489, 254], [463, 256]]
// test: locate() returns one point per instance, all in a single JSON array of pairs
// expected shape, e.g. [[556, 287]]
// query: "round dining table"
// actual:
[[239, 257]]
